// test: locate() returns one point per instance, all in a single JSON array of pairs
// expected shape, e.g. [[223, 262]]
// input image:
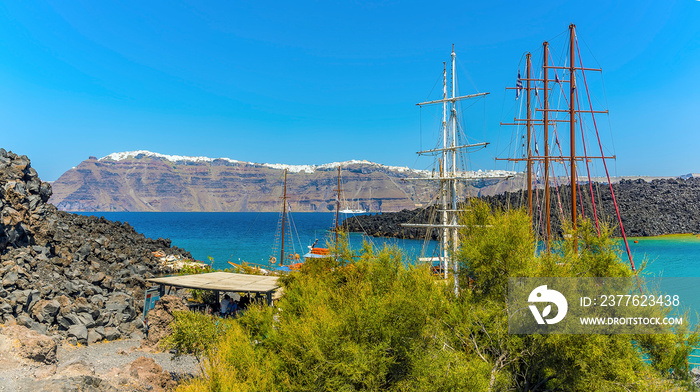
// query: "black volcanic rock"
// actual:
[[659, 207], [77, 276]]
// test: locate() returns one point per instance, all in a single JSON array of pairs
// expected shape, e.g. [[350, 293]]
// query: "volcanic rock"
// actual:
[[150, 373], [31, 344], [74, 276], [160, 317], [658, 207]]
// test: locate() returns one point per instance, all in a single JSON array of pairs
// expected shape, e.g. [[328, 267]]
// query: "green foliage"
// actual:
[[245, 268], [497, 245], [192, 269], [368, 322], [195, 333]]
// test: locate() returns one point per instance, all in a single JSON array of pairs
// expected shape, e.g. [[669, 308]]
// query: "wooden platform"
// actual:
[[222, 282]]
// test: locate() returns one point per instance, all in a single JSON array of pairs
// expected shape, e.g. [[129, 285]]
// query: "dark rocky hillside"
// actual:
[[154, 182], [63, 274], [662, 206]]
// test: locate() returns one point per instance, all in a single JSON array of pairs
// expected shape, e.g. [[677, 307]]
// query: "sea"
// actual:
[[233, 237], [223, 237]]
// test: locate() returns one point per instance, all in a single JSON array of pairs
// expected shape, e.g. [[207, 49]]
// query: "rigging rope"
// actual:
[[588, 172], [605, 165]]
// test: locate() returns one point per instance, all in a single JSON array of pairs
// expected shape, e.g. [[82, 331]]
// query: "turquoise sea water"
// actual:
[[250, 236], [675, 255], [247, 236]]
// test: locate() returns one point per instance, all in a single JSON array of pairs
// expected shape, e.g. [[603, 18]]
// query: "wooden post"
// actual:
[[545, 114], [529, 135], [284, 216], [337, 216], [572, 124]]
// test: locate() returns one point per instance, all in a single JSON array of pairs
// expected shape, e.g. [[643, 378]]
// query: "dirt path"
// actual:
[[108, 366]]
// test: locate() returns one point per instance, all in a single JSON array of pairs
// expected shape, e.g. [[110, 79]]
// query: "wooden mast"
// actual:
[[284, 216], [529, 136], [546, 111], [545, 115], [572, 123], [337, 215]]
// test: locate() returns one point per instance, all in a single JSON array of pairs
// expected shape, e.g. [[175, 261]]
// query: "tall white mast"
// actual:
[[448, 175], [453, 181], [443, 174]]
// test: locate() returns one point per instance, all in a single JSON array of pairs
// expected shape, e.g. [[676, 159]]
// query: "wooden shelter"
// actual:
[[222, 282]]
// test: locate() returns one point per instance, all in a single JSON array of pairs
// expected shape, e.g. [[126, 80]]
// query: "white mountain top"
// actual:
[[120, 156]]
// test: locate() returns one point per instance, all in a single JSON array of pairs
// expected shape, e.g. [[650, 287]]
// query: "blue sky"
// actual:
[[309, 82]]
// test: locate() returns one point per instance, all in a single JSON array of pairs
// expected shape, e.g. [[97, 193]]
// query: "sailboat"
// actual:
[[577, 118], [291, 260], [450, 174], [324, 253], [348, 210]]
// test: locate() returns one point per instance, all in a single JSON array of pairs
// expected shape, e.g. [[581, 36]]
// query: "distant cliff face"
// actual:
[[145, 181]]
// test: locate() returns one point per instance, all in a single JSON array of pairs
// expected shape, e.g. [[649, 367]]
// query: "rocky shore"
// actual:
[[662, 206], [73, 278]]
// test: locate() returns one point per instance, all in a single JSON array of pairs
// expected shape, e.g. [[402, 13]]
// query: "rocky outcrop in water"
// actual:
[[662, 206], [81, 278]]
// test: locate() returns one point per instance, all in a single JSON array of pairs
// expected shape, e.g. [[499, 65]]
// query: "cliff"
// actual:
[[146, 181]]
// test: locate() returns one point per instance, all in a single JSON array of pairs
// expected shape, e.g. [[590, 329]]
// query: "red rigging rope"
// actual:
[[580, 197], [561, 152], [580, 194], [583, 214], [556, 186], [558, 144], [556, 138], [537, 193], [588, 170], [605, 165]]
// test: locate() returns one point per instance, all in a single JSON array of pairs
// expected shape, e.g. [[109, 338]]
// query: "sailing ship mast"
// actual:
[[448, 175], [337, 215], [284, 216], [546, 121]]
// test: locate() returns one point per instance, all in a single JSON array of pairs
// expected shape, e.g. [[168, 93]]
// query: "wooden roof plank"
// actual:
[[221, 281]]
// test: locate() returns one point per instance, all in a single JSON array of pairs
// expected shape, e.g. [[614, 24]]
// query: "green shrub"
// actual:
[[195, 333], [370, 323]]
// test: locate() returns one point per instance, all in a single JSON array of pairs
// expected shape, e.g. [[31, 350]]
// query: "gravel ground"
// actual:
[[95, 360], [106, 356]]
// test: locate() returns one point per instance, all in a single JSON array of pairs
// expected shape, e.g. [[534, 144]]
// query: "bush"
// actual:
[[195, 333], [377, 325]]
